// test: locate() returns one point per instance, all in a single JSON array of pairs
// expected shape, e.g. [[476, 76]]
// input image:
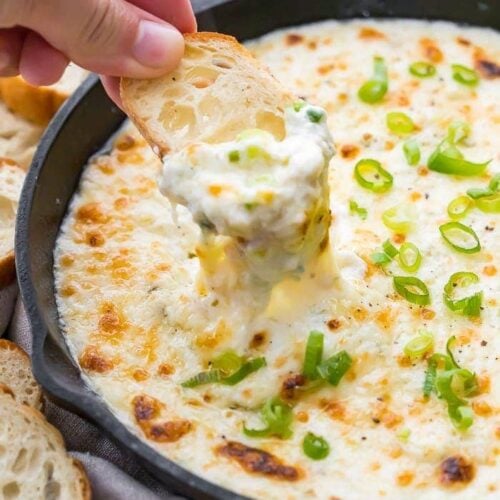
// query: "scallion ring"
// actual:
[[390, 249], [464, 75], [458, 131], [447, 159], [313, 355], [334, 368], [467, 306], [411, 151], [412, 289], [409, 257], [419, 345], [460, 237], [315, 447], [277, 417], [371, 175], [458, 208], [489, 204], [374, 90], [422, 69], [399, 123], [400, 218]]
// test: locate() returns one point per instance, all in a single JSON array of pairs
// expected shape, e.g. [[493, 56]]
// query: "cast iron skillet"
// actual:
[[83, 126]]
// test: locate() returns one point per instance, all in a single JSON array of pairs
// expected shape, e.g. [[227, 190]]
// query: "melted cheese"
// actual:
[[138, 322]]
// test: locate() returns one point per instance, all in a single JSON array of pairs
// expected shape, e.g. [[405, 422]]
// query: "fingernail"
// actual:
[[155, 44]]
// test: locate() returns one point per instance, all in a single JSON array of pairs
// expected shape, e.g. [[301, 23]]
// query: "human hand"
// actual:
[[134, 38]]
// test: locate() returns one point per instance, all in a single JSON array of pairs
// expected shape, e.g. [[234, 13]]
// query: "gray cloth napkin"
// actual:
[[114, 473]]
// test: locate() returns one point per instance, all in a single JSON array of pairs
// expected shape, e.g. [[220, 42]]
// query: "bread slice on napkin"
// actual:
[[11, 182], [39, 104], [33, 460], [218, 90], [16, 374]]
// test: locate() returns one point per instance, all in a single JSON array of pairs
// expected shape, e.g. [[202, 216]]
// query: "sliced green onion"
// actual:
[[419, 345], [227, 362], [375, 89], [313, 355], [256, 152], [399, 218], [476, 193], [404, 435], [495, 183], [370, 175], [203, 378], [411, 150], [459, 207], [234, 156], [277, 417], [298, 105], [315, 447], [315, 115], [246, 369], [458, 131], [489, 204], [399, 123], [464, 75], [410, 257], [354, 208], [460, 237], [380, 258], [468, 306], [447, 159], [449, 344], [335, 367], [390, 249], [422, 69], [412, 289], [430, 377]]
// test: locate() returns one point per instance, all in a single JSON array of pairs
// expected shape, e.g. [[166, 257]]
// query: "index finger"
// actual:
[[179, 13]]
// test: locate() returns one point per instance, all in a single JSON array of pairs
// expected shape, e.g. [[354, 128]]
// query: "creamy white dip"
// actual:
[[269, 196]]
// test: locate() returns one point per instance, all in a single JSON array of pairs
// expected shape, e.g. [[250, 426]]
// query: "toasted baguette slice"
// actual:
[[39, 104], [15, 373], [33, 460], [11, 182], [218, 90]]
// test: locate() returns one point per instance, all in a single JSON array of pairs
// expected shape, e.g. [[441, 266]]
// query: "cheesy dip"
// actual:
[[375, 372]]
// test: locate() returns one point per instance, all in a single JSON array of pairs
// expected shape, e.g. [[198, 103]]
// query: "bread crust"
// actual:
[[7, 270]]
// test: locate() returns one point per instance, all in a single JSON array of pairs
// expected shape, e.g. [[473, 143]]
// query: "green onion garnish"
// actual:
[[380, 258], [467, 306], [370, 175], [354, 208], [315, 447], [447, 159], [461, 238], [412, 289], [476, 193], [489, 204], [422, 69], [458, 208], [227, 369], [298, 105], [495, 183], [234, 156], [410, 257], [419, 345], [399, 218], [458, 131], [412, 152], [313, 355], [335, 367], [399, 123], [390, 249], [375, 89], [315, 115], [277, 417], [464, 75]]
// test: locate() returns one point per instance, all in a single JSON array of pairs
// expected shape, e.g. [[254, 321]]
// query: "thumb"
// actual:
[[111, 37]]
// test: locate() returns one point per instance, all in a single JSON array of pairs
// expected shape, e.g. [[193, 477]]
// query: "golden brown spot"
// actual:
[[131, 158], [256, 461], [402, 100], [415, 196], [212, 338], [215, 190], [360, 313], [404, 361], [165, 369], [430, 50], [422, 171], [91, 213], [367, 33], [487, 69], [93, 360], [399, 238], [125, 142], [68, 290], [302, 416], [67, 260], [290, 384], [294, 39], [384, 319], [384, 415], [349, 151], [140, 375], [325, 69], [121, 203], [427, 313], [111, 320], [106, 168], [334, 409], [482, 408], [489, 270], [396, 452], [405, 478], [484, 383], [456, 470], [333, 324], [342, 97], [312, 45], [258, 340], [94, 239], [463, 41]]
